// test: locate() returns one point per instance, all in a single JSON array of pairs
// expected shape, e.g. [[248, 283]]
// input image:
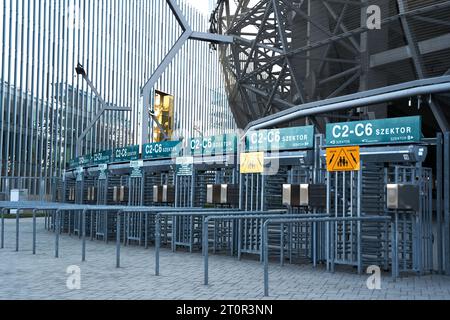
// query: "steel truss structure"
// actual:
[[290, 52]]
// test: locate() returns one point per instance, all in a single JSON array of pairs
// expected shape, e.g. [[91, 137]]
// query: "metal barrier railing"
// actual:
[[205, 217], [39, 189], [330, 221], [263, 216], [58, 209]]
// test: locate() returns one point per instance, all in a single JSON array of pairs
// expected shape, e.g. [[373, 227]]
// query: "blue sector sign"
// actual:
[[297, 138], [385, 131]]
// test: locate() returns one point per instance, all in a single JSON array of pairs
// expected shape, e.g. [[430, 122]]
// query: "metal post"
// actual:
[[205, 250], [17, 229], [193, 188], [439, 173], [126, 225], [394, 246], [92, 226], [105, 230], [333, 245], [174, 233], [239, 239], [118, 239], [176, 183], [69, 224], [34, 231], [281, 245], [359, 214], [157, 242], [57, 229], [419, 224], [314, 244], [266, 258], [327, 224], [146, 230], [83, 251], [241, 187], [3, 228], [191, 233], [447, 201]]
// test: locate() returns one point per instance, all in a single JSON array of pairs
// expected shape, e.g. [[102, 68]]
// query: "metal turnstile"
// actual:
[[159, 191], [216, 186], [74, 186], [103, 222], [410, 202], [364, 193], [262, 192], [304, 192]]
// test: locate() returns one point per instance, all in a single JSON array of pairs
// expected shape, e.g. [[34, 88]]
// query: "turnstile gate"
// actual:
[[262, 192], [103, 222], [364, 193], [413, 230]]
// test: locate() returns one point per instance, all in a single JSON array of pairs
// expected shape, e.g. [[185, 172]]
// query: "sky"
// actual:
[[200, 5]]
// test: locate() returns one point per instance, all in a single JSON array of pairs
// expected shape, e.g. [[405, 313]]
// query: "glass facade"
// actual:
[[45, 106]]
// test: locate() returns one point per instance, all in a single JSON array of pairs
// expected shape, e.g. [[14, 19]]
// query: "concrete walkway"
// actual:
[[24, 276]]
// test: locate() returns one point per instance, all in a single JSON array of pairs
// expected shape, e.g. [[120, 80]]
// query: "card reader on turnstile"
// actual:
[[91, 194], [403, 197], [163, 194], [304, 195], [120, 194], [222, 194]]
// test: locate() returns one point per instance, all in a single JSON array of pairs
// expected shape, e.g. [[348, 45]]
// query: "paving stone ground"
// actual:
[[24, 276]]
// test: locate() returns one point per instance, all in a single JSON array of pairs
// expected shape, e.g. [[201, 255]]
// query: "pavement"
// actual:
[[42, 277]]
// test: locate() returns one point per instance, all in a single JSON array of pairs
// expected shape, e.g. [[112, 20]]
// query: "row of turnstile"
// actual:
[[391, 182]]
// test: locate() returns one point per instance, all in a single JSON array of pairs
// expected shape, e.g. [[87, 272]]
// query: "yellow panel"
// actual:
[[252, 162], [343, 159]]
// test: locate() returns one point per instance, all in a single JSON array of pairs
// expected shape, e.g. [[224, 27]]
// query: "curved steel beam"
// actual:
[[361, 99]]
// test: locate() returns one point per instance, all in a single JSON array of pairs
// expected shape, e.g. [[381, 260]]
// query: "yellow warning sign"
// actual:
[[252, 162], [343, 159]]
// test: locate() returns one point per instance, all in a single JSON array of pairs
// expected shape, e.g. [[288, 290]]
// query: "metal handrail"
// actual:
[[287, 221], [241, 217]]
